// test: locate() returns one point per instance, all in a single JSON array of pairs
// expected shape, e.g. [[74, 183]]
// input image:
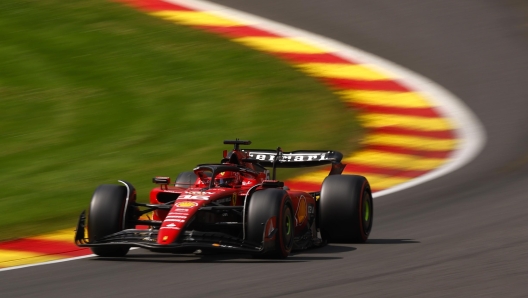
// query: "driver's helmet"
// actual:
[[226, 179]]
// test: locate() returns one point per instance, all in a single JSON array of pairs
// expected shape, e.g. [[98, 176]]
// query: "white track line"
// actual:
[[46, 263]]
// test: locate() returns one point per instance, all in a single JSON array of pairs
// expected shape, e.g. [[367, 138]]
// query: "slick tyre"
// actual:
[[105, 217], [345, 210], [276, 204]]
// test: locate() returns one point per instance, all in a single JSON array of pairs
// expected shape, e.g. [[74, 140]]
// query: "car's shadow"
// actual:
[[391, 241], [212, 258], [313, 254], [295, 257]]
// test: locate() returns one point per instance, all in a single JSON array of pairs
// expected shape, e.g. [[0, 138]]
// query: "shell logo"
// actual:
[[301, 210], [186, 204]]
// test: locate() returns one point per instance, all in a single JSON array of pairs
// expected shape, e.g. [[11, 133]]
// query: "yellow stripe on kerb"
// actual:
[[66, 235], [376, 181], [394, 161], [416, 143], [313, 177], [195, 18], [410, 122], [386, 98], [9, 258], [279, 44], [342, 71], [383, 182]]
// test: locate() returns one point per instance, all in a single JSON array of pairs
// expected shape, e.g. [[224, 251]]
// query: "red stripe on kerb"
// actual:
[[416, 112], [408, 151], [153, 5], [395, 130], [237, 31], [312, 58], [373, 190], [375, 85], [45, 247]]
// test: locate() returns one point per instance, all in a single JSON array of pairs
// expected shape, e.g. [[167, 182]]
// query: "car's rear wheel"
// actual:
[[346, 209], [277, 205], [105, 217]]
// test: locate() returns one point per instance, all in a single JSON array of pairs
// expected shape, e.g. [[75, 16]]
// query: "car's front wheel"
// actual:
[[106, 216]]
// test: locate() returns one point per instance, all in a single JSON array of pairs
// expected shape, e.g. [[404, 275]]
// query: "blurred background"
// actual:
[[95, 91]]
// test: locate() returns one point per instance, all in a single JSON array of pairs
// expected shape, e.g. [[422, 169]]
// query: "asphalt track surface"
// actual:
[[463, 235]]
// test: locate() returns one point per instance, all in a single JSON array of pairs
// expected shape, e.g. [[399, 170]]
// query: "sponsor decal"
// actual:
[[170, 228], [199, 193], [171, 225], [234, 199], [223, 200], [176, 216], [289, 157], [173, 220], [186, 204], [165, 238], [170, 191], [183, 211], [310, 209], [222, 245], [195, 197]]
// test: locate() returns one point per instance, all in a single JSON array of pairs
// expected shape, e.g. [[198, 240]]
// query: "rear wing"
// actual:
[[297, 159]]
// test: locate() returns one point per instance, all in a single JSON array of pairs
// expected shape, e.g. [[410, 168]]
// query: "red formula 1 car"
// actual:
[[232, 206]]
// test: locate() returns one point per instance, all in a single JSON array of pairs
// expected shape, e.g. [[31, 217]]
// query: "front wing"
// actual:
[[188, 242]]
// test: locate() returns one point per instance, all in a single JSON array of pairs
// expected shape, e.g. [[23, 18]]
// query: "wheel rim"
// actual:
[[287, 228], [367, 212], [287, 225]]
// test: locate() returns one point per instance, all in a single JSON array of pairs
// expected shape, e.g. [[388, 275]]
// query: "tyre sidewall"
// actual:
[[105, 217], [263, 205], [340, 213]]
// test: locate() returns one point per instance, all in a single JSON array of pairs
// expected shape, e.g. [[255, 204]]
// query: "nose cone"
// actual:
[[176, 220]]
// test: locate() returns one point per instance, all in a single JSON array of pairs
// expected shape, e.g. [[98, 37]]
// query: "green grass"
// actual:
[[92, 91]]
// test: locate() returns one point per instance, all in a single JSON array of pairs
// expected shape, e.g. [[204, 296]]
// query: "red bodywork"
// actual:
[[211, 207], [190, 200]]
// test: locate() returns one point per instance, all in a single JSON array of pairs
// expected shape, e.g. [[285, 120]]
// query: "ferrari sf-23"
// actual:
[[232, 206]]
